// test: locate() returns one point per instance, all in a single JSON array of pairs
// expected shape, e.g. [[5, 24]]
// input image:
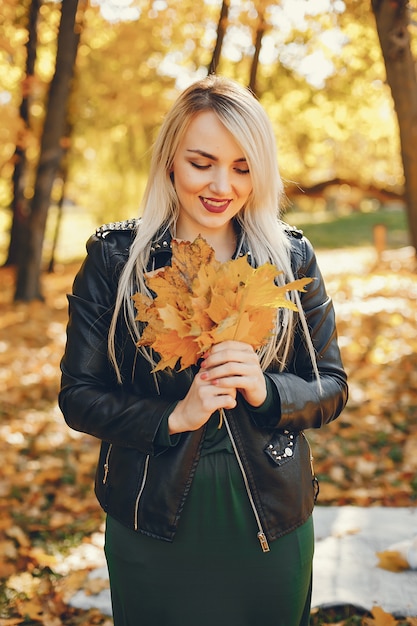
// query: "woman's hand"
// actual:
[[236, 364], [227, 368]]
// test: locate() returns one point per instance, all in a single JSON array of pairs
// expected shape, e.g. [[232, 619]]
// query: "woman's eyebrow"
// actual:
[[213, 158]]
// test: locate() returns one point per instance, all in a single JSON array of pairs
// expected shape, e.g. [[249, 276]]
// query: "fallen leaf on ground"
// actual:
[[392, 560], [380, 618], [93, 586]]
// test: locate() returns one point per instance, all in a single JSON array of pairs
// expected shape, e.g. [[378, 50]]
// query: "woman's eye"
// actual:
[[199, 166], [206, 166]]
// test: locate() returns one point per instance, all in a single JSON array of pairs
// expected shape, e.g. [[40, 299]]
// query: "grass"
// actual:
[[330, 231], [348, 615]]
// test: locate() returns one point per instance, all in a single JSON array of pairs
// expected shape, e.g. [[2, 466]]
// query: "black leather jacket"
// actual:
[[144, 484]]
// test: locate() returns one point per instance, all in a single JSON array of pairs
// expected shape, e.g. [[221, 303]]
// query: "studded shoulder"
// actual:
[[126, 225], [297, 233]]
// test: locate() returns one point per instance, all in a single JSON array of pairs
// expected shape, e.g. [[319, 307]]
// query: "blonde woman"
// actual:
[[205, 525]]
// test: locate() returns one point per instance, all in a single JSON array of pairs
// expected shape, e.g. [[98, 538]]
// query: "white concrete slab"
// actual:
[[346, 565]]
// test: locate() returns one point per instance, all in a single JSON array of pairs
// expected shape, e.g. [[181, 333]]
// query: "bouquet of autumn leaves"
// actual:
[[200, 302]]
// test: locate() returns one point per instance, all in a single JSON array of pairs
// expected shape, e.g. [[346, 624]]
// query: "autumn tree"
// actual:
[[221, 30], [29, 269], [342, 128], [20, 210], [393, 22], [261, 27]]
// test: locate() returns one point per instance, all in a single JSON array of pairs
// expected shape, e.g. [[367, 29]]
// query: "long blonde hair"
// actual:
[[259, 219]]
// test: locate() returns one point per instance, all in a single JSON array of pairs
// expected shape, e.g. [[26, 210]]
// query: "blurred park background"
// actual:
[[83, 89]]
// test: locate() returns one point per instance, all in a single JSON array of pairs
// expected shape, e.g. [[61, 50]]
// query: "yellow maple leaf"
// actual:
[[147, 312], [380, 618], [392, 561], [200, 302], [188, 257], [171, 348]]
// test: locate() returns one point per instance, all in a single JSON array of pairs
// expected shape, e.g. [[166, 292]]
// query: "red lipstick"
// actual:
[[214, 205]]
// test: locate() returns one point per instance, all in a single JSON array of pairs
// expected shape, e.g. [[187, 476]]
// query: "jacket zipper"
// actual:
[[142, 487], [106, 464], [261, 534], [313, 473], [311, 454]]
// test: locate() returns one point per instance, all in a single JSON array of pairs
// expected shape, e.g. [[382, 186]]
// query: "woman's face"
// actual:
[[211, 177]]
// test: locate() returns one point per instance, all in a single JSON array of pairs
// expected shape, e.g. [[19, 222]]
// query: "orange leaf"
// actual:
[[380, 618], [42, 558], [393, 561], [173, 348]]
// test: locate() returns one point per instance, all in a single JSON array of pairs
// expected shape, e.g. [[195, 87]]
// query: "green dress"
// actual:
[[214, 573]]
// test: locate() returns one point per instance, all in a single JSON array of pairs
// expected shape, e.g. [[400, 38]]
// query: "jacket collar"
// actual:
[[160, 243]]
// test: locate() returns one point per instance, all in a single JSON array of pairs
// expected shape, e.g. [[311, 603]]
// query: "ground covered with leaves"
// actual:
[[50, 524]]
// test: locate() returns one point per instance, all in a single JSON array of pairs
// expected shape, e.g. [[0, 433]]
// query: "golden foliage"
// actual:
[[201, 301]]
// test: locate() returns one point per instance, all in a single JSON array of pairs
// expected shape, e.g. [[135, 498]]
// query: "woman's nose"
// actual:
[[221, 182]]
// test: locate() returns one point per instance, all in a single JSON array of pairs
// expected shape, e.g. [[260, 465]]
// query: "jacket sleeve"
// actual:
[[90, 397], [303, 402]]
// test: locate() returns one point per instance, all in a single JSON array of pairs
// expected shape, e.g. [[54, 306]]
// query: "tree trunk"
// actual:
[[255, 60], [60, 205], [221, 30], [20, 208], [28, 277], [392, 22], [57, 230]]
